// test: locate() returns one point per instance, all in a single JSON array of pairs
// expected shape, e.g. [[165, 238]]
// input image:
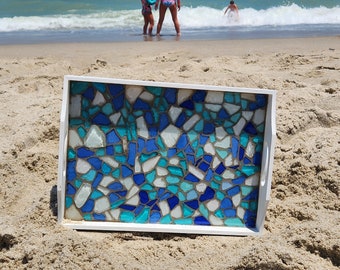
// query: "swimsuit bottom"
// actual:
[[168, 3]]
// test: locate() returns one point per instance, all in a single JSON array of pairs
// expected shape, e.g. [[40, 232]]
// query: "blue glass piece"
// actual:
[[112, 137], [143, 196], [71, 170], [100, 217], [115, 186], [139, 179], [165, 196], [113, 197], [88, 206], [199, 96], [173, 201], [131, 153], [241, 153], [233, 191], [190, 159], [223, 114], [115, 89], [182, 141], [257, 159], [208, 194], [83, 152], [201, 221], [226, 203], [156, 208], [78, 87], [234, 147], [209, 175], [180, 120], [208, 128], [249, 128], [188, 104], [89, 93], [121, 193], [97, 180], [118, 102], [149, 118], [189, 149], [126, 171], [230, 213], [208, 158], [170, 95], [192, 204], [127, 207], [151, 145], [192, 178], [261, 100], [101, 119], [204, 166], [153, 131], [220, 168], [110, 150], [141, 145], [253, 106], [163, 121], [141, 105], [155, 217], [95, 162], [171, 152], [151, 203], [203, 139], [70, 190], [239, 181], [252, 195], [250, 219], [226, 185], [246, 161]]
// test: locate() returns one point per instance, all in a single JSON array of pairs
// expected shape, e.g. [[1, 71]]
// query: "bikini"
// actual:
[[168, 3]]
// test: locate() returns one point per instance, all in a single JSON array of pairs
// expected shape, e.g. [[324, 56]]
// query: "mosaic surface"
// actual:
[[163, 155]]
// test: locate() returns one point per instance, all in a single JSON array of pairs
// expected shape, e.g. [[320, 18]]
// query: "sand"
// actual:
[[302, 228]]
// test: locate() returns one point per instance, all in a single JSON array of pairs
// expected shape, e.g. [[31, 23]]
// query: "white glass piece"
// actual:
[[114, 118], [159, 182], [108, 216], [214, 97], [141, 128], [74, 139], [165, 209], [174, 112], [73, 213], [134, 200], [115, 213], [231, 108], [253, 180], [101, 205], [138, 167], [213, 205], [225, 143], [248, 96], [176, 212], [147, 96], [95, 138], [250, 149], [161, 171], [107, 180], [213, 107], [110, 161], [191, 122], [174, 161], [183, 94], [132, 192], [82, 194], [239, 126], [98, 99], [215, 220], [236, 199], [209, 148], [82, 166], [75, 106], [216, 162], [247, 115], [196, 172], [226, 185], [200, 187], [240, 212], [150, 164], [127, 183], [170, 135], [132, 92], [228, 161], [259, 116], [103, 190], [220, 133], [228, 174]]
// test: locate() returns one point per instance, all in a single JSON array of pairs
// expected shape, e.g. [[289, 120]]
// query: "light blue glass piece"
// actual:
[[218, 177], [71, 154], [172, 179], [165, 219], [126, 216], [184, 165], [244, 104], [236, 117], [154, 90], [173, 189], [192, 135], [160, 144], [206, 116], [259, 147], [228, 124], [226, 185], [234, 222], [143, 216], [101, 87], [222, 153], [245, 205], [183, 221], [116, 173], [124, 112], [213, 115], [120, 159], [94, 110], [162, 162], [78, 183], [257, 139], [75, 122], [260, 128], [107, 109], [175, 171], [68, 202], [89, 176], [200, 152], [106, 169], [199, 126], [78, 87], [245, 190], [253, 205], [194, 144], [146, 157], [119, 148], [186, 186], [116, 204], [87, 217], [96, 194], [219, 195], [121, 130], [147, 187], [237, 98], [204, 211], [100, 152], [198, 107], [249, 170], [229, 97], [151, 176], [81, 132], [181, 196], [212, 138], [215, 185], [187, 212], [152, 195], [219, 213], [244, 138], [192, 195]]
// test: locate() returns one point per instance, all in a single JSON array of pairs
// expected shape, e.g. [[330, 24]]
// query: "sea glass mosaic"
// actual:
[[164, 157]]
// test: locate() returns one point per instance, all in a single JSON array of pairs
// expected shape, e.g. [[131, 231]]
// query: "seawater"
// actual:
[[109, 20]]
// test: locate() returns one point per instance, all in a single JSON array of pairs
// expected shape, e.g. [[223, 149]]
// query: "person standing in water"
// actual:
[[174, 6], [148, 17], [232, 8]]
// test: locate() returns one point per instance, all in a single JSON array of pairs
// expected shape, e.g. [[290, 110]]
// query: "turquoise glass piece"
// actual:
[[184, 221], [68, 202], [89, 176], [234, 222], [127, 216], [81, 132], [151, 176]]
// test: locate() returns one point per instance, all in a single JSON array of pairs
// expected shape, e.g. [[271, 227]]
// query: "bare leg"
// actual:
[[151, 23], [145, 24], [162, 10], [173, 10]]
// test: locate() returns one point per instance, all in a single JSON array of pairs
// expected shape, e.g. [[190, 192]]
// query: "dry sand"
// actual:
[[302, 228]]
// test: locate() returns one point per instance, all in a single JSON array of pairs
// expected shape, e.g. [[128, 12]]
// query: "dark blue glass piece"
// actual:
[[71, 170], [126, 171], [234, 147], [191, 159], [141, 145], [239, 181], [233, 191], [141, 105], [223, 114], [188, 104], [121, 193], [208, 158], [261, 100], [152, 202], [127, 207], [257, 158], [249, 128], [101, 119], [189, 150], [70, 190], [149, 118], [165, 196], [151, 145], [200, 220], [115, 89], [89, 93], [118, 102], [132, 153], [153, 131], [110, 150], [95, 162], [246, 161], [241, 153], [208, 128], [88, 206], [204, 166], [155, 207], [112, 137], [97, 180], [203, 139], [143, 196], [250, 218], [172, 152], [113, 197], [220, 168], [115, 186], [199, 96], [252, 195], [226, 203], [180, 120], [83, 152], [170, 95], [230, 213], [163, 121], [253, 106], [139, 178], [182, 141], [100, 217], [154, 217], [208, 194], [192, 178], [192, 204], [173, 201], [138, 209], [209, 175]]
